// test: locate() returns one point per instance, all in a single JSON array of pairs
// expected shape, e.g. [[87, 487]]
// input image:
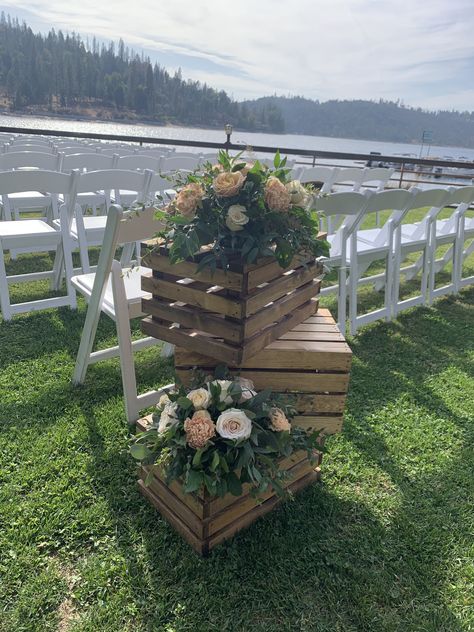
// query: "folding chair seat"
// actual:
[[32, 236], [116, 291]]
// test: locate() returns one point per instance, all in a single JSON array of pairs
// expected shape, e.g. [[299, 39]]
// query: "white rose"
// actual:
[[225, 398], [234, 424], [168, 416], [299, 196], [236, 217], [200, 397]]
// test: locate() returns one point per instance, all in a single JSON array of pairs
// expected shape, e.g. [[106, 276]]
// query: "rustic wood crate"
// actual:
[[205, 521], [312, 361], [227, 315]]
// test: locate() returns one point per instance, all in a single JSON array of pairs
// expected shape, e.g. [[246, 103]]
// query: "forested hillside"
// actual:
[[383, 120], [59, 71]]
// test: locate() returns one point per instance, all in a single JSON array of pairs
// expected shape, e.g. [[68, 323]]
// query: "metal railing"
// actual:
[[403, 164]]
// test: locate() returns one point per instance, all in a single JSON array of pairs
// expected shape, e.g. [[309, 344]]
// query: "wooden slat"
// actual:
[[260, 510], [272, 270], [244, 505], [294, 381], [316, 404], [198, 545], [328, 424], [180, 337], [187, 269], [192, 296], [280, 308], [330, 336], [193, 318], [278, 288]]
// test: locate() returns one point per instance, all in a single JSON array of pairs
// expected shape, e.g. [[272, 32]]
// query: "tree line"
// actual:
[[60, 71], [371, 120]]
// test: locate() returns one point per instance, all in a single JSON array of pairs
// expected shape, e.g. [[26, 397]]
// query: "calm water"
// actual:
[[245, 138]]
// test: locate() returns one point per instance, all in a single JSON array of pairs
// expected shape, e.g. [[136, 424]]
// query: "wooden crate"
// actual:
[[312, 361], [205, 521], [229, 315]]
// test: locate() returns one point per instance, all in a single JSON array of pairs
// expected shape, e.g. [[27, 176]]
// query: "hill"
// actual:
[[369, 120], [59, 73]]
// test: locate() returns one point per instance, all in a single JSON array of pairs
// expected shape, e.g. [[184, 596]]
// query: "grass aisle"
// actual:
[[385, 543]]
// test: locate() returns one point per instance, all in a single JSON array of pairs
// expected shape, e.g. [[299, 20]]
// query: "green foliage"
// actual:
[[222, 464], [263, 232]]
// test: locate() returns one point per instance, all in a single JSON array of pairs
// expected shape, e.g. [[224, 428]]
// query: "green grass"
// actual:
[[385, 543]]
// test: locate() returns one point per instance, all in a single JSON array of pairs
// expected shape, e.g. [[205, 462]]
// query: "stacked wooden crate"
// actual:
[[311, 362], [232, 314]]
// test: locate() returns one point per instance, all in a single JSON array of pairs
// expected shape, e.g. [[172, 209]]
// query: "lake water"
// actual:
[[295, 141]]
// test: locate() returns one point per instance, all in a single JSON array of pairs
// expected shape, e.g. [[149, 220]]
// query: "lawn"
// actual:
[[385, 542]]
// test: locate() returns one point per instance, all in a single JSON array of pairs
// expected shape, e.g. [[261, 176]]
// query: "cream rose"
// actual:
[[277, 197], [278, 420], [168, 416], [199, 429], [234, 424], [200, 398], [236, 217], [228, 184], [188, 199], [224, 397], [298, 194]]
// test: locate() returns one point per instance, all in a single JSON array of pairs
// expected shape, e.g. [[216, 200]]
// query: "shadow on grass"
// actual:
[[322, 562]]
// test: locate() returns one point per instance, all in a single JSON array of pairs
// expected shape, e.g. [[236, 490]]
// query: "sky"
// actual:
[[419, 52]]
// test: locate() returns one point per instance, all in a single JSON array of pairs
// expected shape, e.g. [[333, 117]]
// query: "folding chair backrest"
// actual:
[[326, 175], [74, 149], [138, 161], [122, 227], [462, 195], [379, 175], [345, 203], [395, 200], [351, 174], [436, 199], [178, 163], [86, 161], [38, 180], [116, 151], [35, 159], [110, 179], [29, 147]]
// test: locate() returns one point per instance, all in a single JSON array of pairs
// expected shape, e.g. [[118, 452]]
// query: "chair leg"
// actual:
[[87, 342], [127, 363], [341, 299], [353, 281], [4, 293], [388, 286], [425, 275]]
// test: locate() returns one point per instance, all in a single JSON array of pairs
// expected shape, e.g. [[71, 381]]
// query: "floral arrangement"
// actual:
[[221, 434], [241, 209]]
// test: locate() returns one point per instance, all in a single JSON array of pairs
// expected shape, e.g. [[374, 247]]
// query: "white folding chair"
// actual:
[[447, 232], [29, 201], [97, 201], [412, 238], [117, 292], [375, 244], [85, 231], [134, 162], [349, 206], [33, 235]]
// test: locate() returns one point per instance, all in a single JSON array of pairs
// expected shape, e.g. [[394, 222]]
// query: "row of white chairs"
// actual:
[[354, 248]]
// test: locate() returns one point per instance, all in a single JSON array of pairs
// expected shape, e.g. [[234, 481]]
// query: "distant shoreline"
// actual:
[[144, 122]]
